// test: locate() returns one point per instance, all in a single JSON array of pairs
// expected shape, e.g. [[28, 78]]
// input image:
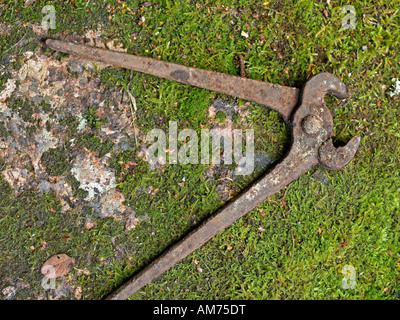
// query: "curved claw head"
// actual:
[[334, 158], [322, 83], [314, 122]]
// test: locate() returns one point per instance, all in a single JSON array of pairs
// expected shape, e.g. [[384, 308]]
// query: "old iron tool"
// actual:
[[311, 125]]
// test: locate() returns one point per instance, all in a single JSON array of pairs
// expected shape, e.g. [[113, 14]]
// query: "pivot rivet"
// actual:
[[312, 124]]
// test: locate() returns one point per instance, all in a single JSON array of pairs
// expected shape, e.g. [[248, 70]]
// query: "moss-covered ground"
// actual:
[[295, 244]]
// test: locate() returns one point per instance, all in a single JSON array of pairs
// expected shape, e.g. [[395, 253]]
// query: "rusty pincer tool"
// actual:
[[305, 112]]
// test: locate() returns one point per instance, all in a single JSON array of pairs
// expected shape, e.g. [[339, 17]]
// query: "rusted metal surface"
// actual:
[[311, 124], [279, 98]]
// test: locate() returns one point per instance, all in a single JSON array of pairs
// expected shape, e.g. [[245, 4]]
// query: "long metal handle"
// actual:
[[247, 201], [282, 99]]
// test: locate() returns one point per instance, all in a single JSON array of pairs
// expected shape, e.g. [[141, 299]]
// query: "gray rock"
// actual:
[[44, 186], [9, 292], [75, 66], [221, 105]]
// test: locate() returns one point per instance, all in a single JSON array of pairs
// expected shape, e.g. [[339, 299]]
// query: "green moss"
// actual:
[[92, 118], [236, 118], [24, 107], [73, 74], [92, 142], [46, 107], [3, 80], [75, 186], [48, 125], [55, 161], [5, 189], [351, 220], [2, 164], [71, 124], [3, 130], [13, 44], [220, 116]]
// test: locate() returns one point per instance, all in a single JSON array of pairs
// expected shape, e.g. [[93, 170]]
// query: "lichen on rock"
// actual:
[[48, 140]]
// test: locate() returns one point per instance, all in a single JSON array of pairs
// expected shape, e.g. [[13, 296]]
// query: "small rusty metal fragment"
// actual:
[[242, 68]]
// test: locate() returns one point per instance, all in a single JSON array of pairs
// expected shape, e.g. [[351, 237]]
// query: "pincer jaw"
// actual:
[[333, 158], [317, 123]]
